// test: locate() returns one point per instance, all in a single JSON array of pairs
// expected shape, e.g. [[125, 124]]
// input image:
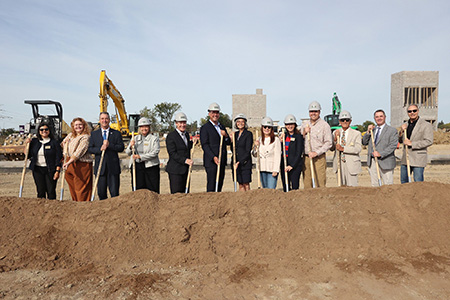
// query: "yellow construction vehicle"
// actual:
[[122, 122]]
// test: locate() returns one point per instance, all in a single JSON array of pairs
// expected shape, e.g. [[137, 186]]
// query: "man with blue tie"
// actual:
[[386, 140], [210, 139], [108, 140]]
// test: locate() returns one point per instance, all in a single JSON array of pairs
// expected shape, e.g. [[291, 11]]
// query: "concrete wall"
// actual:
[[251, 105], [413, 79]]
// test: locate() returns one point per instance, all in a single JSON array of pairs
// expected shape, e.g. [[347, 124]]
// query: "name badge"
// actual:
[[293, 139], [146, 144], [48, 147]]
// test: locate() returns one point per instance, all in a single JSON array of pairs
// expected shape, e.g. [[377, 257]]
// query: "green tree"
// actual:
[[164, 111], [364, 126], [151, 115], [192, 127], [224, 119]]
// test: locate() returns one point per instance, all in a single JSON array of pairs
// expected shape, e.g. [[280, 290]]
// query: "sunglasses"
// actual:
[[412, 111], [344, 120], [313, 111], [267, 127], [43, 129]]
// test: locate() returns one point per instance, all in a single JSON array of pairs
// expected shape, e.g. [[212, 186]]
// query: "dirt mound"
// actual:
[[145, 244], [441, 137]]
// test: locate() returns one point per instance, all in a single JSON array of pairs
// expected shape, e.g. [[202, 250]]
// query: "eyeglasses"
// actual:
[[345, 120], [267, 127], [412, 111], [43, 129]]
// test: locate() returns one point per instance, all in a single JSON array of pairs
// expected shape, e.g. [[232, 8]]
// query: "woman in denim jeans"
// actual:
[[269, 154]]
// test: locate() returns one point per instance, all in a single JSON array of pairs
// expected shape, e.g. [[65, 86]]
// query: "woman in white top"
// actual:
[[269, 154], [46, 155]]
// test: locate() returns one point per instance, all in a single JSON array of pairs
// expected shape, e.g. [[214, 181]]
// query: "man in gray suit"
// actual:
[[386, 140], [419, 136]]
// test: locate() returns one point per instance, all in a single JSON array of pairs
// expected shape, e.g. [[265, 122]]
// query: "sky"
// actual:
[[198, 52]]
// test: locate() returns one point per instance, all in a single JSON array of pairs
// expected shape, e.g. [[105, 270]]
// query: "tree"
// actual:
[[363, 127], [224, 119], [151, 115], [164, 111], [192, 128]]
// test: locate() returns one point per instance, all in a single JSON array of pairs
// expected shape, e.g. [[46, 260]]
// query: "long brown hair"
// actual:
[[86, 129], [272, 135]]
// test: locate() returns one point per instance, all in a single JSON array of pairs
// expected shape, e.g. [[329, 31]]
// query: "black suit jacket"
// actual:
[[178, 153], [243, 149], [210, 139], [52, 154], [295, 151], [111, 159]]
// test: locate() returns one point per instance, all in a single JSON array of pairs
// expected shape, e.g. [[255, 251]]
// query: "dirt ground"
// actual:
[[389, 242]]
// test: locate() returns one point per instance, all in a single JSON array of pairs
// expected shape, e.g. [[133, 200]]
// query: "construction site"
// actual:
[[387, 242]]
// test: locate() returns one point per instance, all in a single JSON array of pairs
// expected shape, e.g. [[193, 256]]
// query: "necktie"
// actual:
[[104, 134], [184, 139], [377, 135], [343, 144]]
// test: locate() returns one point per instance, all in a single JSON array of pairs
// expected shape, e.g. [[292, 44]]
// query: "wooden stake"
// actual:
[[220, 162], [188, 181], [376, 159], [27, 149], [311, 162], [234, 162], [133, 152], [63, 172], [285, 162], [258, 161], [339, 160]]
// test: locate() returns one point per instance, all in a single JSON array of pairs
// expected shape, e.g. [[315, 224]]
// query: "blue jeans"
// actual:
[[268, 181], [418, 173]]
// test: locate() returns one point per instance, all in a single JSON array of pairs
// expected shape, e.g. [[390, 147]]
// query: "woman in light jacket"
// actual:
[[269, 154], [79, 165], [146, 156]]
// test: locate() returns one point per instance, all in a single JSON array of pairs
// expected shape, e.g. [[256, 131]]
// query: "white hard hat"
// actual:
[[143, 122], [240, 116], [214, 107], [180, 117], [290, 119], [314, 106], [345, 115], [267, 122]]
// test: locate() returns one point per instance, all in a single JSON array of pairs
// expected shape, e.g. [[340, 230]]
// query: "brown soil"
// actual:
[[330, 243]]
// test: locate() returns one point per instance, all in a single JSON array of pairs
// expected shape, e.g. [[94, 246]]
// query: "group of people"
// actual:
[[292, 152]]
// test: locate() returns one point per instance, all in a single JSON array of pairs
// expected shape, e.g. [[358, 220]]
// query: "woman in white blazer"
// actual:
[[269, 154], [146, 156]]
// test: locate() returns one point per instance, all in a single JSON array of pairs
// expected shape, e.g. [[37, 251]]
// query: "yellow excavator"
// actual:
[[121, 121]]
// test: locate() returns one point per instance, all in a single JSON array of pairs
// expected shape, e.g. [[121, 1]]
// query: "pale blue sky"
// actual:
[[198, 52]]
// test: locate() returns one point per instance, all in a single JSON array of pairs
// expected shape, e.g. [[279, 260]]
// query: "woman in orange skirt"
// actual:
[[79, 166]]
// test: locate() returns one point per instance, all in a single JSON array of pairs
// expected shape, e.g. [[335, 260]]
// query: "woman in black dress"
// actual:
[[244, 143], [294, 153]]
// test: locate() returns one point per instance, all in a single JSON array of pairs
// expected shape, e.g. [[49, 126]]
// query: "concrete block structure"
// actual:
[[414, 87], [251, 105]]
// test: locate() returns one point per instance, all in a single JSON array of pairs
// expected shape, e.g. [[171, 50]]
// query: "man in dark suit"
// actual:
[[108, 140], [178, 145], [210, 139], [386, 140]]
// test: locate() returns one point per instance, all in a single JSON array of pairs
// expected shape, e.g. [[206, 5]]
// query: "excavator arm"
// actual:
[[108, 89]]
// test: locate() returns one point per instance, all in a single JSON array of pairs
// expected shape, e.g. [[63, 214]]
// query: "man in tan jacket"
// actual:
[[419, 136], [347, 146]]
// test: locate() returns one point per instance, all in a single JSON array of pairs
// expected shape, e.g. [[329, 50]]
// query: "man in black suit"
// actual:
[[210, 139], [108, 140], [178, 145]]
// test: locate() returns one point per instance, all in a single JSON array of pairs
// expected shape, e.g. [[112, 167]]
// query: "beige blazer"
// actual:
[[269, 155], [421, 138], [352, 149]]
